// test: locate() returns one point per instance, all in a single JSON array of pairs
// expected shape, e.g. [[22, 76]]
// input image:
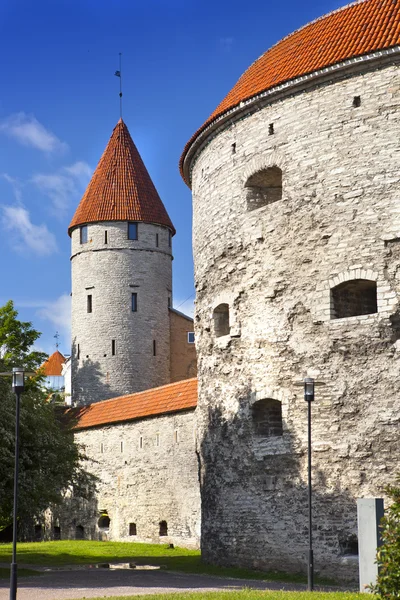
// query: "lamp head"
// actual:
[[308, 389], [18, 379]]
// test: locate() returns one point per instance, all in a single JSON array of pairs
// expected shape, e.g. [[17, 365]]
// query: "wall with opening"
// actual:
[[163, 528], [221, 320], [264, 187], [267, 418], [352, 298]]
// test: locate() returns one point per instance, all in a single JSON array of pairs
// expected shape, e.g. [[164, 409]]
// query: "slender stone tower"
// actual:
[[121, 279]]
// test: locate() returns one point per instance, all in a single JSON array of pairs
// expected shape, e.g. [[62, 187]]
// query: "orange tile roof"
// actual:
[[53, 365], [359, 28], [121, 188], [169, 398]]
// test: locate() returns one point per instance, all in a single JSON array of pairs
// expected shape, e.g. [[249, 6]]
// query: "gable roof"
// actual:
[[53, 365], [174, 397], [354, 30], [121, 188]]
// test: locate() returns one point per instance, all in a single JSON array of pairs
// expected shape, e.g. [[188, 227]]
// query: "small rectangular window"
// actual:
[[141, 442], [112, 347], [176, 437], [134, 301], [122, 446], [190, 337], [132, 231], [89, 303], [157, 240], [78, 352], [169, 239], [157, 439], [84, 234], [154, 348], [105, 237], [169, 301], [102, 448]]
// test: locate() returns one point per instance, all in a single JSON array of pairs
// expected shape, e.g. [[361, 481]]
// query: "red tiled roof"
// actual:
[[169, 398], [121, 188], [360, 28], [53, 365]]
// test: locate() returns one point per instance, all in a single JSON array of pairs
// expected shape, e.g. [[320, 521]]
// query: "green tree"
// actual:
[[388, 557], [50, 460]]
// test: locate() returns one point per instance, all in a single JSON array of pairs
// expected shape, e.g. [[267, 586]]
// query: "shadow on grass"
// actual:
[[65, 553], [5, 573]]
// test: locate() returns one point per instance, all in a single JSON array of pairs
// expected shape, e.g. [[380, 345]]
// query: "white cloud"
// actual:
[[15, 184], [25, 236], [62, 186], [27, 130], [58, 312]]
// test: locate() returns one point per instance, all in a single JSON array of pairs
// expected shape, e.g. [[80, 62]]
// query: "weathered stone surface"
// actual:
[[275, 266], [148, 473], [110, 272]]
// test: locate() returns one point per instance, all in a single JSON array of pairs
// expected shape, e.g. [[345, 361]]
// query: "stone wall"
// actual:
[[183, 353], [148, 473], [110, 273], [338, 220]]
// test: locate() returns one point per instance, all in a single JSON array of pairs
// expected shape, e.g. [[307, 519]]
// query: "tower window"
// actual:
[[163, 528], [106, 237], [352, 298], [78, 352], [190, 337], [83, 234], [169, 239], [134, 301], [271, 130], [89, 304], [176, 437], [169, 301], [122, 446], [221, 320], [112, 347], [141, 442], [154, 348], [157, 241], [132, 231], [157, 439], [357, 101], [267, 418], [264, 187], [132, 529], [102, 448]]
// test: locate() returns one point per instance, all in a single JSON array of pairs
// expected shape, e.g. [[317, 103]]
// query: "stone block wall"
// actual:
[[117, 351], [338, 219], [148, 473]]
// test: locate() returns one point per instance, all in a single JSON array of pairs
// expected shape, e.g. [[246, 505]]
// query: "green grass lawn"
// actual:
[[179, 559], [246, 595]]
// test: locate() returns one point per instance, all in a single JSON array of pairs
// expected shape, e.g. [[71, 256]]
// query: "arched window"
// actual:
[[264, 187], [104, 521], [352, 298], [221, 320], [79, 532], [163, 528], [267, 418]]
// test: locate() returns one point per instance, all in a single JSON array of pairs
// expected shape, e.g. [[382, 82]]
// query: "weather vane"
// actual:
[[119, 74], [57, 335]]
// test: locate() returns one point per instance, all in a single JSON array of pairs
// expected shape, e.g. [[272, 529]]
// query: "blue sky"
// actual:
[[59, 103]]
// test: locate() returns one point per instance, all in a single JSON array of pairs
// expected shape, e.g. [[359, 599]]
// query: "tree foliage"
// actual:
[[388, 557], [50, 460]]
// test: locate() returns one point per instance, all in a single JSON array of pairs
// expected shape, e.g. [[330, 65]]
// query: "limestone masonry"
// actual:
[[296, 239]]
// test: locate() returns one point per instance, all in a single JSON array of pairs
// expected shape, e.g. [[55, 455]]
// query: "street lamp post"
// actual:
[[309, 397], [18, 384]]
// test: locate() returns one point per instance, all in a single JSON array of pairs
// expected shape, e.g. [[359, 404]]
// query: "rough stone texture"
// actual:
[[183, 354], [148, 472], [338, 219], [110, 272]]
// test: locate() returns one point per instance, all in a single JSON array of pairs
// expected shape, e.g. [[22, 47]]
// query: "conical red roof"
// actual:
[[121, 188], [53, 365]]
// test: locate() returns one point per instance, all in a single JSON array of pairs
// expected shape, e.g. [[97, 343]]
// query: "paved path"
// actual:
[[79, 583]]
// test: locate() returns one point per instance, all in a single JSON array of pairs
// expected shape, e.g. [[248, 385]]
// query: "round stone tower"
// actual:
[[295, 182], [121, 279]]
